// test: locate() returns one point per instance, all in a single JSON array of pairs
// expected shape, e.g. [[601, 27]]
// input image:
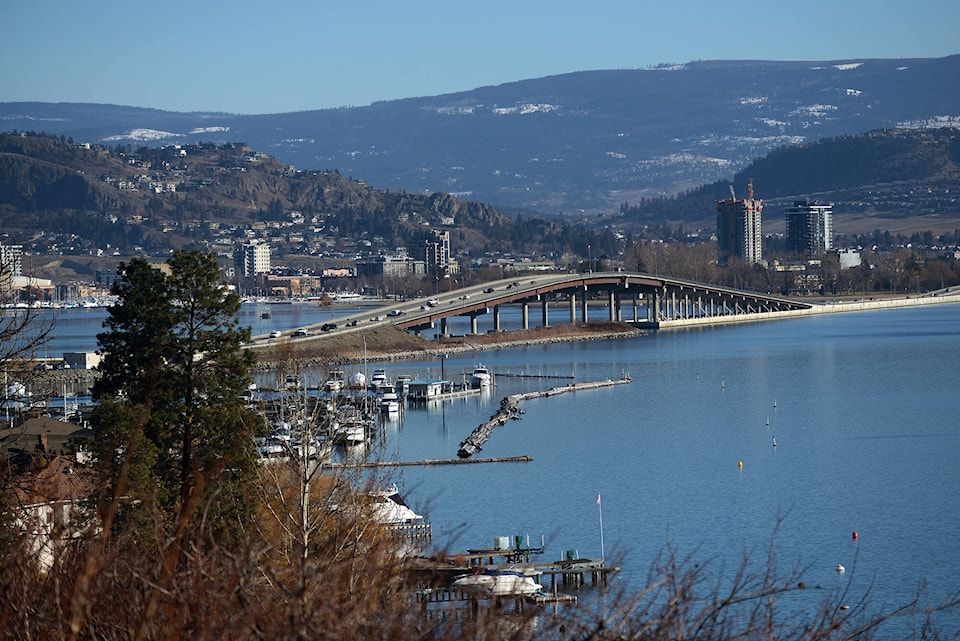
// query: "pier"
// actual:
[[510, 410], [432, 461], [565, 574]]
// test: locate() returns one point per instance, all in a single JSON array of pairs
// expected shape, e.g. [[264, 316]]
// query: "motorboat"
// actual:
[[353, 425], [388, 507], [389, 400], [481, 377], [499, 582], [334, 381], [378, 379]]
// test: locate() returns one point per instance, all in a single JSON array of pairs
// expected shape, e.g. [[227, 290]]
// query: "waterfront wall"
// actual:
[[837, 307]]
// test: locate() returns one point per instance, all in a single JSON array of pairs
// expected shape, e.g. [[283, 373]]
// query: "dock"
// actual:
[[432, 461], [510, 410], [566, 574]]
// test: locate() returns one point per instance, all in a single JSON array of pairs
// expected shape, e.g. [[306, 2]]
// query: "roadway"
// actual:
[[665, 302]]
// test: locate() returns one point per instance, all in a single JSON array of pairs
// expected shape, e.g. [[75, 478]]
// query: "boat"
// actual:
[[357, 380], [378, 379], [353, 426], [498, 582], [481, 377], [334, 381], [388, 507], [389, 400]]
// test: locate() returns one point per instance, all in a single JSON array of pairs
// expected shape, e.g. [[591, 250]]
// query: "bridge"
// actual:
[[645, 300]]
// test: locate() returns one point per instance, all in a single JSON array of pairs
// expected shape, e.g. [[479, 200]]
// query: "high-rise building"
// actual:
[[251, 259], [433, 248], [11, 260], [739, 230], [809, 228]]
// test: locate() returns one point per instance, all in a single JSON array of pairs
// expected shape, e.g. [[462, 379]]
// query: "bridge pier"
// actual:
[[665, 300]]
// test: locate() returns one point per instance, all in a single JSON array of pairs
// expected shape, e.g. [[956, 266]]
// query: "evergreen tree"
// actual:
[[171, 428]]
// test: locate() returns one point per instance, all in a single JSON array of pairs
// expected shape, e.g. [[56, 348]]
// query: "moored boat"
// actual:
[[498, 582], [481, 377]]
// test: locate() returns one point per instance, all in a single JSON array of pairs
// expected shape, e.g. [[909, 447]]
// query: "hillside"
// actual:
[[575, 143], [899, 179], [181, 196], [71, 203]]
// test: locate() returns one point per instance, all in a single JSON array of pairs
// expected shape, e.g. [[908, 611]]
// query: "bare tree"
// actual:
[[23, 328]]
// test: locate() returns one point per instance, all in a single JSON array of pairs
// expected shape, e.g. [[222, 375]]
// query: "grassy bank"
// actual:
[[389, 343]]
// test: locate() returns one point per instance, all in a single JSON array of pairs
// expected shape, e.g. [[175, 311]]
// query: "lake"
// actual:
[[864, 407]]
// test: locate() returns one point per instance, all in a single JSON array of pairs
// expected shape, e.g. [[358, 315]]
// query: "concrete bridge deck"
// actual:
[[645, 300]]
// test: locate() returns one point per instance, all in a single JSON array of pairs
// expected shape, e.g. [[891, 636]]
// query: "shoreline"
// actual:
[[436, 351]]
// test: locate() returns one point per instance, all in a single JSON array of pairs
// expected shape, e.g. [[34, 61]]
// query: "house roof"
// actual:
[[55, 479]]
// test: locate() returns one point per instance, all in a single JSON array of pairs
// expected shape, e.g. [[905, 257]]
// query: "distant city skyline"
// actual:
[[284, 56]]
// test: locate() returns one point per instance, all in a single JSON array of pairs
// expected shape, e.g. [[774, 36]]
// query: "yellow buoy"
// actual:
[[739, 463]]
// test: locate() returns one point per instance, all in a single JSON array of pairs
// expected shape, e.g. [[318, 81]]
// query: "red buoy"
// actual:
[[855, 535]]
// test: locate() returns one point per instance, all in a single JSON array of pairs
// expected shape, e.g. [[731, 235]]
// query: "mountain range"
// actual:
[[583, 142]]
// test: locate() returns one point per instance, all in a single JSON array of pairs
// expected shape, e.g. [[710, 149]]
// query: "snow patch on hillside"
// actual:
[[525, 108], [936, 122], [209, 130], [813, 110], [141, 135], [457, 110]]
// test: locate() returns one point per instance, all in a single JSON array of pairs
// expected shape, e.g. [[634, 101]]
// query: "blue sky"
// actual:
[[290, 55]]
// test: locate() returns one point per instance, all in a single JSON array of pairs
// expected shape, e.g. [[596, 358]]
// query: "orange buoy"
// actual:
[[856, 535]]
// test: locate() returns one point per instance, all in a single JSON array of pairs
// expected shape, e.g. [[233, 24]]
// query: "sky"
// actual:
[[277, 56]]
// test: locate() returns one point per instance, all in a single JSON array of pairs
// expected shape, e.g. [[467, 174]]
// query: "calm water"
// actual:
[[865, 408]]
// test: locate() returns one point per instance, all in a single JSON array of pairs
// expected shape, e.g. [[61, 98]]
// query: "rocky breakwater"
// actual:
[[510, 411]]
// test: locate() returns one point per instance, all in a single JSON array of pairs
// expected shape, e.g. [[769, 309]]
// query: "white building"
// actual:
[[252, 259]]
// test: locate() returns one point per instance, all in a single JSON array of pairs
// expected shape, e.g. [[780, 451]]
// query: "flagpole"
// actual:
[[600, 506]]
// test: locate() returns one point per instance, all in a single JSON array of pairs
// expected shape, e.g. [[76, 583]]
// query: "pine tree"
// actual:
[[171, 428]]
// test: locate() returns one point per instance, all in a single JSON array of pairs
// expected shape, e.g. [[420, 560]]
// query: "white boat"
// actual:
[[378, 379], [354, 435], [499, 583], [388, 508], [481, 377], [389, 400], [334, 381], [357, 380], [353, 426]]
